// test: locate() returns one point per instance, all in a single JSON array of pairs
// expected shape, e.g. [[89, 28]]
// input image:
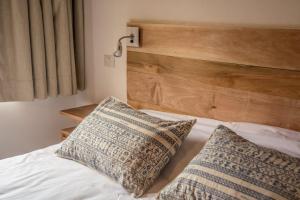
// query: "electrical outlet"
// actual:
[[109, 61], [136, 40]]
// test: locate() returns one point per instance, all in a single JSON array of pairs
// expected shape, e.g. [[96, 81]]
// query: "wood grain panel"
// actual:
[[215, 90], [275, 82], [266, 47]]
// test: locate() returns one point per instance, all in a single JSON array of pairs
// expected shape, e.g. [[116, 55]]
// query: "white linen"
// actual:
[[43, 175], [280, 139]]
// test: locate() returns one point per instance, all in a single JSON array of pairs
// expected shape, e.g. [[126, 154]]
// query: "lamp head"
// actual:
[[119, 51]]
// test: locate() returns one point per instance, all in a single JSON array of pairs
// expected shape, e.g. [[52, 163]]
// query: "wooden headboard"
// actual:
[[230, 73]]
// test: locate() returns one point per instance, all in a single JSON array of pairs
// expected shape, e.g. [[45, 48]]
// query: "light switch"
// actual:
[[136, 40], [109, 61]]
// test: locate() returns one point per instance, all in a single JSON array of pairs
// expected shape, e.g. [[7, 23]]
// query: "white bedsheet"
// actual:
[[41, 175]]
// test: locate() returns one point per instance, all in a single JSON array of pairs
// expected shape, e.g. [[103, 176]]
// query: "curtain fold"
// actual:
[[41, 49]]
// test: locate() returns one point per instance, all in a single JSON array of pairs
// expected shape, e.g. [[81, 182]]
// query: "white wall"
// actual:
[[26, 126], [108, 20]]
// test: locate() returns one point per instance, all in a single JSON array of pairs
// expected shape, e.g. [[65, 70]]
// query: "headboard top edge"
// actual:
[[216, 25]]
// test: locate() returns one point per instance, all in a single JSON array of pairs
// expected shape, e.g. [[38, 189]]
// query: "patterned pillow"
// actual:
[[230, 167], [127, 145]]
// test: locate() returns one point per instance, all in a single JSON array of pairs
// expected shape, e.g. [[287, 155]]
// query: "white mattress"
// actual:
[[43, 175]]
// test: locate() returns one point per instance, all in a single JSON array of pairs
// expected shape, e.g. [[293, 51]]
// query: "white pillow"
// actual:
[[280, 139]]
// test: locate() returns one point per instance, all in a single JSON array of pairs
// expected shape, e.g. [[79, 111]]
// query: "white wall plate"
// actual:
[[136, 32], [109, 61]]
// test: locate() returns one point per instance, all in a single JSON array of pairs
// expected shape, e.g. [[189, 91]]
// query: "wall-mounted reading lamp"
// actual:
[[118, 53], [133, 36]]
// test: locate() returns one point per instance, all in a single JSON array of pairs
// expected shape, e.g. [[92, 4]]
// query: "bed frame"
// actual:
[[230, 73]]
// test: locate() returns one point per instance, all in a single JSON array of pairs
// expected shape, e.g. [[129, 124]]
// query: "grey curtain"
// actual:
[[41, 49]]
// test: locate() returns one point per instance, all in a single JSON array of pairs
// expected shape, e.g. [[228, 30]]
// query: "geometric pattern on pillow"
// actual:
[[128, 145], [230, 167]]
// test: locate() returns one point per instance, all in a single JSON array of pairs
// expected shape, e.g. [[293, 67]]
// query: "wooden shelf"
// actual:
[[79, 113], [76, 114], [66, 132]]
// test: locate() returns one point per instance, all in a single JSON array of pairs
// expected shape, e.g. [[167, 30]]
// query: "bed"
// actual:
[[252, 86], [42, 175]]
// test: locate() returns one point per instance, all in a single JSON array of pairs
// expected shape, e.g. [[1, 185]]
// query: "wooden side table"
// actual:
[[77, 115]]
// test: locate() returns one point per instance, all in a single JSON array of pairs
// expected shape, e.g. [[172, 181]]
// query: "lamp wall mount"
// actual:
[[135, 42]]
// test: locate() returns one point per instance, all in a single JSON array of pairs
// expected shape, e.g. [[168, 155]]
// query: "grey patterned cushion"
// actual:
[[230, 167], [127, 145]]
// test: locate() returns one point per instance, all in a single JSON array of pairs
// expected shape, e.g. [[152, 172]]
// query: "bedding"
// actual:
[[231, 167], [283, 140], [128, 145], [43, 175]]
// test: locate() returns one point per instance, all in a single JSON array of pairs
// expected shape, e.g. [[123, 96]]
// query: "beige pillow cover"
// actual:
[[127, 145], [230, 167]]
